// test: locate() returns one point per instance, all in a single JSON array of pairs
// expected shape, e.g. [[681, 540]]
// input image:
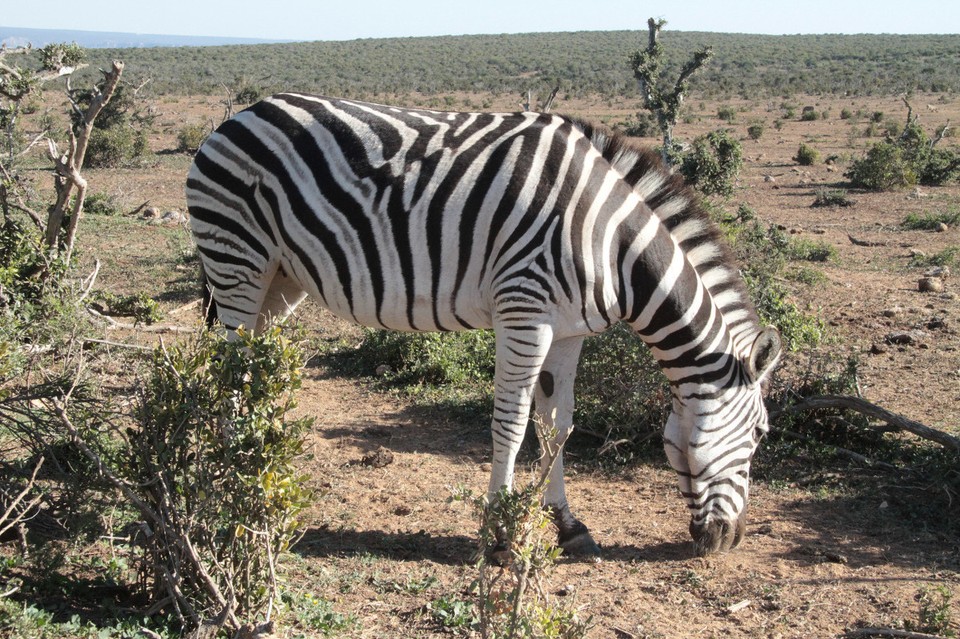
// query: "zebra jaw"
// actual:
[[717, 535]]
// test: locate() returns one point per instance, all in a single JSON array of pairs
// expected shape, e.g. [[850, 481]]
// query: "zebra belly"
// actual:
[[395, 309]]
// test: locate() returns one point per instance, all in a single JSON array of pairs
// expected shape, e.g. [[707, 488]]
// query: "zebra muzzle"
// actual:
[[717, 535]]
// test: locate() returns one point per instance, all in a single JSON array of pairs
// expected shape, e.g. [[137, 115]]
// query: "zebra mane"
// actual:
[[679, 209]]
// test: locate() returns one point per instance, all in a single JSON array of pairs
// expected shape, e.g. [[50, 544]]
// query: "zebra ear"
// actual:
[[764, 353]]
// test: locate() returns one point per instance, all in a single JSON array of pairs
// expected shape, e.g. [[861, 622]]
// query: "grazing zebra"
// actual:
[[538, 226]]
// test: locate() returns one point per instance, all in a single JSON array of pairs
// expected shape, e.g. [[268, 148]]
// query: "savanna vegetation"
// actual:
[[154, 487]]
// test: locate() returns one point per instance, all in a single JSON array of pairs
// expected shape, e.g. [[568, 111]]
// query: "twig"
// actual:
[[59, 408], [106, 342], [91, 280], [869, 409], [5, 522], [144, 328], [863, 633]]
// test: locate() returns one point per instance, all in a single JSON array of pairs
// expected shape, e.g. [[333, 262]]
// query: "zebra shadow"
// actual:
[[400, 546]]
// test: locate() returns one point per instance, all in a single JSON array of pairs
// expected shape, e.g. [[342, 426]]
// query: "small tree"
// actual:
[[663, 104], [713, 163], [16, 84]]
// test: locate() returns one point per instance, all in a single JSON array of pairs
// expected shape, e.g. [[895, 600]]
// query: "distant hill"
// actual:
[[586, 62], [19, 36]]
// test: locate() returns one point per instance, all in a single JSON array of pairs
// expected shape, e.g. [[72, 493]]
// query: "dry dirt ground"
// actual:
[[813, 563]]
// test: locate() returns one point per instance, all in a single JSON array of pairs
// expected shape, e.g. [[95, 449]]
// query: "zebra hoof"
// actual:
[[581, 546]]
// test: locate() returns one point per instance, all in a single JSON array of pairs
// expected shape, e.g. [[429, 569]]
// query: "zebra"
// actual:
[[542, 227]]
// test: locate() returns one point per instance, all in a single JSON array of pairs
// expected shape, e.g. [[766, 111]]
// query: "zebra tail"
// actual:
[[209, 305]]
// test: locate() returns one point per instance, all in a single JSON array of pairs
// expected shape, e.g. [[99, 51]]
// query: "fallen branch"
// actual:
[[869, 409], [841, 451], [113, 324], [858, 242], [865, 633], [186, 307]]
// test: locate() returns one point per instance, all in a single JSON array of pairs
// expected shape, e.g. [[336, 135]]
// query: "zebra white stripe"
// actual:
[[538, 226]]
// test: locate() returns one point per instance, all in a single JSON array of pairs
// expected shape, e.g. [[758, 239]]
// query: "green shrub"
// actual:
[[191, 136], [213, 465], [762, 253], [713, 163], [810, 251], [809, 115], [949, 256], [100, 204], [846, 114], [727, 114], [248, 94], [139, 306], [465, 358], [907, 160], [877, 117], [116, 147], [832, 198], [806, 155], [621, 392], [884, 167], [755, 131], [934, 615], [642, 125], [931, 221]]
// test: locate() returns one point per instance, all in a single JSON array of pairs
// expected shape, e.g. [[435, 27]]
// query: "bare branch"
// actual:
[[8, 520], [869, 409]]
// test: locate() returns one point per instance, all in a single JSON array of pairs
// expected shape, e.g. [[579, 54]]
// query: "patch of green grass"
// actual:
[[317, 614], [807, 275], [931, 221], [811, 251], [934, 616], [832, 198], [949, 256], [409, 586], [453, 613]]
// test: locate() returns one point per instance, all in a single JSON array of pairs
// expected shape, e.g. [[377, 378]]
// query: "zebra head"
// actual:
[[710, 438]]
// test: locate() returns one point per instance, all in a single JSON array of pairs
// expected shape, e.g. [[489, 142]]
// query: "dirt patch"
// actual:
[[385, 538]]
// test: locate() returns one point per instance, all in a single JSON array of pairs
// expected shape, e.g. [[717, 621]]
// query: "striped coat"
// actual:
[[538, 226]]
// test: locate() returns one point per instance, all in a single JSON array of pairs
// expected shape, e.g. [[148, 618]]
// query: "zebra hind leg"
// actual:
[[241, 296], [554, 415]]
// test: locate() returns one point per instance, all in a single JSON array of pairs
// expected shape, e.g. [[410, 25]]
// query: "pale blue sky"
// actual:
[[346, 19]]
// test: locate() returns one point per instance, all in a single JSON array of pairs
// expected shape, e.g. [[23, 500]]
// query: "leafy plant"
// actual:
[[806, 155], [191, 136], [713, 163], [101, 204], [909, 159], [139, 306], [832, 198], [949, 256], [931, 221], [727, 114], [317, 614], [215, 448], [934, 616], [513, 559], [755, 131], [452, 612], [810, 250]]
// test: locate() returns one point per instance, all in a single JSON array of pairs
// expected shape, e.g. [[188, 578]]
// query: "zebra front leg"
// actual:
[[521, 349], [554, 414]]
